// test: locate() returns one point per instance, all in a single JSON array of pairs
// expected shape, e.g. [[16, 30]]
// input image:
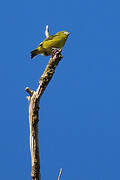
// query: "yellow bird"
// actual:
[[49, 44]]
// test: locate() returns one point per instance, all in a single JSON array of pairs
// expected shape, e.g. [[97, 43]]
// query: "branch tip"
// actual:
[[27, 89], [47, 31]]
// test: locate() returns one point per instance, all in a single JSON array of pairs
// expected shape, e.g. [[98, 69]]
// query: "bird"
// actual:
[[46, 47]]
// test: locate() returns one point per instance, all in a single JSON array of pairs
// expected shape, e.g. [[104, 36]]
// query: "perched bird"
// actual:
[[50, 43]]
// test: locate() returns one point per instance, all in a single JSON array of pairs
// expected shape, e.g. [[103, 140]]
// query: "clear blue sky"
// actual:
[[79, 124]]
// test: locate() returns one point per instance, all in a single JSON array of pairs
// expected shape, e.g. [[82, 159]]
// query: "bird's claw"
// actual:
[[55, 51]]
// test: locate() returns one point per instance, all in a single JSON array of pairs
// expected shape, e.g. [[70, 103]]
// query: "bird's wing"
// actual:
[[48, 39], [51, 41], [51, 37]]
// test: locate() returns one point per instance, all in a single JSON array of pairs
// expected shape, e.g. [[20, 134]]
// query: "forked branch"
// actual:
[[34, 99]]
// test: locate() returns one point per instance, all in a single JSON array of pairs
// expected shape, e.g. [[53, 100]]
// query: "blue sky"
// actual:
[[80, 109]]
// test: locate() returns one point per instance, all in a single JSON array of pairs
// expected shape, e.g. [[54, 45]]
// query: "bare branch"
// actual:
[[34, 100], [27, 89], [47, 31], [60, 174]]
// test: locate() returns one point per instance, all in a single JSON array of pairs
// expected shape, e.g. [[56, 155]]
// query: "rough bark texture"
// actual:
[[34, 100]]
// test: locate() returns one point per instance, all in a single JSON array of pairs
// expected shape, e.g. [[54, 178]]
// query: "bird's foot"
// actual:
[[55, 51]]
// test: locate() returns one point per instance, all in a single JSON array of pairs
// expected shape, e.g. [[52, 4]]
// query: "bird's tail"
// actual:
[[34, 53]]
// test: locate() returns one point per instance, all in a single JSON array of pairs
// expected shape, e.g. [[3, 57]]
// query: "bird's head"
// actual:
[[63, 33]]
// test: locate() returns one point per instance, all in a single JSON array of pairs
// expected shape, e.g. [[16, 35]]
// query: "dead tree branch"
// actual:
[[47, 31], [60, 173], [34, 99]]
